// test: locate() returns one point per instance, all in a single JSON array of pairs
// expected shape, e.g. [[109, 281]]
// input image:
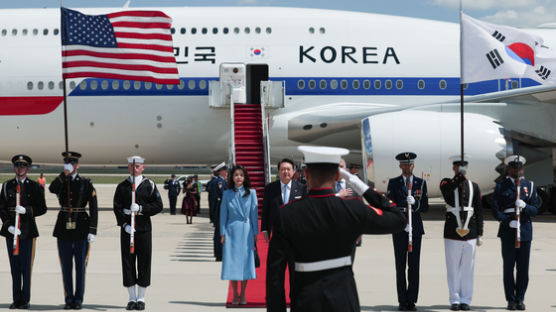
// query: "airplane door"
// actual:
[[255, 74]]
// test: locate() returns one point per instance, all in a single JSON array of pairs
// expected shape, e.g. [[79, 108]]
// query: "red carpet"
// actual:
[[256, 289]]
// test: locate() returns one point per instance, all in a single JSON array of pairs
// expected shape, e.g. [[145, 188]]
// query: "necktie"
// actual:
[[286, 195]]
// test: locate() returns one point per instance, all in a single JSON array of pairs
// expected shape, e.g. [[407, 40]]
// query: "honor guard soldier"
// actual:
[[318, 234], [513, 204], [135, 201], [407, 246], [217, 188], [173, 187], [21, 200], [462, 233], [75, 229], [210, 194]]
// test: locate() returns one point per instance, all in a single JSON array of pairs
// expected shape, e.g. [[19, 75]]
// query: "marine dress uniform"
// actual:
[[136, 267], [32, 205], [318, 233], [408, 290], [462, 231], [504, 202], [75, 228]]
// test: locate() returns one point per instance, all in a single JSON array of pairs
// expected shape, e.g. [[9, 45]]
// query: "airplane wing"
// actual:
[[541, 93]]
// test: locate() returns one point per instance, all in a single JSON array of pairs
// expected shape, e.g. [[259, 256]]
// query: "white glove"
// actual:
[[479, 240], [68, 167], [20, 209], [91, 238], [406, 228], [358, 186], [513, 224], [128, 229], [134, 207], [463, 170], [127, 211], [410, 200], [12, 230], [520, 204]]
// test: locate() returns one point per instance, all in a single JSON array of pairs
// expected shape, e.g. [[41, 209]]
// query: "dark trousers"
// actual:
[[198, 200], [217, 245], [21, 267], [68, 251], [136, 267], [514, 289], [407, 292], [173, 200]]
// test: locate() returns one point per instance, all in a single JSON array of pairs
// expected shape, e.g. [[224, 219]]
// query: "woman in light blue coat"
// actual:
[[239, 229]]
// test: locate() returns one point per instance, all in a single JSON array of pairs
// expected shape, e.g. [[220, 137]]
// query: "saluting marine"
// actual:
[[513, 204], [319, 232], [136, 266], [407, 248], [462, 233], [19, 218], [75, 229]]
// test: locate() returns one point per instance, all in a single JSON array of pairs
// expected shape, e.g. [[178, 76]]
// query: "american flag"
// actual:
[[133, 45]]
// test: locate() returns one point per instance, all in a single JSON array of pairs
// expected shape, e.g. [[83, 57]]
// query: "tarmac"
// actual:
[[185, 276]]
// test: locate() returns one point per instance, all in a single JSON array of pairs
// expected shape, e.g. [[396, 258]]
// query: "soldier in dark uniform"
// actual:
[[32, 204], [318, 234], [462, 233], [504, 203], [211, 195], [75, 229], [408, 291], [173, 188], [136, 267], [218, 186]]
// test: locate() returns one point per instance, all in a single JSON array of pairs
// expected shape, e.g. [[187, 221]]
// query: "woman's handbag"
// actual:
[[257, 259]]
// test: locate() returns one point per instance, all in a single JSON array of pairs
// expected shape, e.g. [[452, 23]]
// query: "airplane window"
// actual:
[[204, 30], [203, 84], [14, 32], [191, 84], [268, 30], [312, 84], [334, 84], [258, 30], [56, 31], [137, 85], [399, 84], [247, 30], [366, 84], [35, 31], [127, 85], [172, 30], [421, 84], [355, 84], [322, 84], [83, 85], [169, 86], [378, 84], [301, 84], [442, 84], [225, 30], [236, 30], [45, 31], [61, 85], [214, 30], [51, 85], [24, 31], [322, 30], [72, 85], [115, 84], [193, 30], [515, 84], [148, 85], [4, 32], [40, 85], [158, 86], [181, 85], [344, 84], [182, 30], [30, 85], [104, 84], [94, 85], [311, 30], [388, 84]]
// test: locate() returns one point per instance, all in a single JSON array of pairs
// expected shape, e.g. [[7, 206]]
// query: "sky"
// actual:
[[517, 13]]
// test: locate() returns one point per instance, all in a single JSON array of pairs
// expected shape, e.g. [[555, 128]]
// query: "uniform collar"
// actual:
[[321, 192]]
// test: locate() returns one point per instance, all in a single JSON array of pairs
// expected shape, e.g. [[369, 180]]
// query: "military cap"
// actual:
[[71, 157], [456, 160], [137, 159], [406, 157], [515, 161], [220, 166], [322, 154], [21, 159]]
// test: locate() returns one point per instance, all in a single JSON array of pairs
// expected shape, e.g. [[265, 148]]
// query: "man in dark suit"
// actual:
[[408, 291], [504, 204], [279, 193]]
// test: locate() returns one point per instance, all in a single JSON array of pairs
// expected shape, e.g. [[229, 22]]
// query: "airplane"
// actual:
[[375, 84]]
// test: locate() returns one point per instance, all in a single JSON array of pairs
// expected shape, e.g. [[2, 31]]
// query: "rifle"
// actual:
[[517, 214], [132, 234], [409, 219], [17, 221]]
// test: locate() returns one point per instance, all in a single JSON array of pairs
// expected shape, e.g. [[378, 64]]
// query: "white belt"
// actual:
[[509, 210], [457, 209], [323, 265]]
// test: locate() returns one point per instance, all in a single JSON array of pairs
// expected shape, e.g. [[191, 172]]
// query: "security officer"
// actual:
[[217, 188], [408, 291], [173, 187], [318, 234], [31, 205], [75, 229], [462, 233], [136, 266], [504, 203]]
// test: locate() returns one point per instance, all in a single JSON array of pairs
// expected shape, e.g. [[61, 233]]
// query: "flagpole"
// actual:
[[460, 78], [66, 141]]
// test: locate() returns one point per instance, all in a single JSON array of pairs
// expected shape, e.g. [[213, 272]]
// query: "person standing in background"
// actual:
[[173, 187]]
